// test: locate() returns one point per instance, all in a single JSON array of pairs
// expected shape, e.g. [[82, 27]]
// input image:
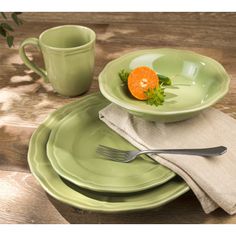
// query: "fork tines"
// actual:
[[111, 153]]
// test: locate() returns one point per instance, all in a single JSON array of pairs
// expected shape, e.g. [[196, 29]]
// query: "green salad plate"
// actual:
[[197, 83], [71, 149], [86, 199]]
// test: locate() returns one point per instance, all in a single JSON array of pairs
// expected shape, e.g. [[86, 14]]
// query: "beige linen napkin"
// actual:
[[213, 180]]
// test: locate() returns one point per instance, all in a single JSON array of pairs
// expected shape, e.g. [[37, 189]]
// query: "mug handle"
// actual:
[[25, 59]]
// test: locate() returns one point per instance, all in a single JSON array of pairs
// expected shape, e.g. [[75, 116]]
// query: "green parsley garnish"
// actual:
[[164, 80], [156, 96], [123, 74]]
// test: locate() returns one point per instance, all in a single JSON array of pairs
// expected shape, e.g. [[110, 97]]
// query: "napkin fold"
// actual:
[[213, 180]]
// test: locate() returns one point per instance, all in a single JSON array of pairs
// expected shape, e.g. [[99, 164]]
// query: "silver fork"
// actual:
[[127, 156]]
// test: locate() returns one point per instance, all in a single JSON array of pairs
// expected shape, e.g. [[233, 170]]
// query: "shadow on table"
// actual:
[[184, 210], [16, 75]]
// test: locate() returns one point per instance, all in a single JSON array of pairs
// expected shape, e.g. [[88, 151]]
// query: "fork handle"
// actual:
[[207, 152]]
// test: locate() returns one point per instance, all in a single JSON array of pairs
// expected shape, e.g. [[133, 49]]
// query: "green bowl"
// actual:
[[198, 83]]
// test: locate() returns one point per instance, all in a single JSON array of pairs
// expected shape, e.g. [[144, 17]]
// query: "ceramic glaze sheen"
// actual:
[[197, 83], [68, 53], [84, 199], [71, 150]]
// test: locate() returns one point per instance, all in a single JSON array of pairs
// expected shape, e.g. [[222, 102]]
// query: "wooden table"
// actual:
[[25, 101]]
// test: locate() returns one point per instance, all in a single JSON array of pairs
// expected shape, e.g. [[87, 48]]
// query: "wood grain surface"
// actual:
[[25, 101]]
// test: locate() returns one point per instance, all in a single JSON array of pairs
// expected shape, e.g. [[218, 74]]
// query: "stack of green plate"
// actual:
[[62, 156]]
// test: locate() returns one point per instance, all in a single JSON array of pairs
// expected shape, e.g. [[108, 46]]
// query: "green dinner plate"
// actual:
[[86, 199], [198, 82], [72, 147]]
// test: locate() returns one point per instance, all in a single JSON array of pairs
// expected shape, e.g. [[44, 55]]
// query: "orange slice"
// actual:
[[140, 80]]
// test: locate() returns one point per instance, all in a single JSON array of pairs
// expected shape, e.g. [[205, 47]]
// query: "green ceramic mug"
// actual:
[[68, 53]]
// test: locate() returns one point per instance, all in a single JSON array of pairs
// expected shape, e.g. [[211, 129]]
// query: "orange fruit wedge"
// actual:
[[140, 80]]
